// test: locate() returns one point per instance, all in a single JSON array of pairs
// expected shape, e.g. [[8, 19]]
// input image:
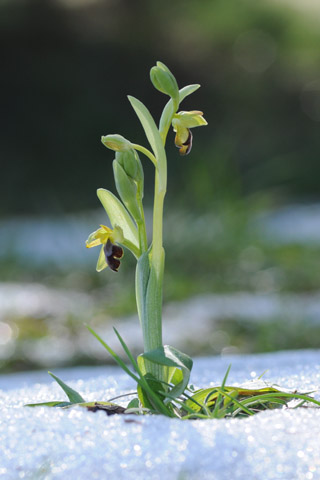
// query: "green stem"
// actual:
[[152, 331], [151, 266], [157, 248], [153, 322], [142, 229], [146, 152]]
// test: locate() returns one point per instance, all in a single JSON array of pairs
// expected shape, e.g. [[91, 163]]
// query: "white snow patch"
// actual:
[[43, 443]]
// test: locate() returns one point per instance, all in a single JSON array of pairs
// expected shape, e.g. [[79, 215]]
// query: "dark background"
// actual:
[[242, 211], [67, 67]]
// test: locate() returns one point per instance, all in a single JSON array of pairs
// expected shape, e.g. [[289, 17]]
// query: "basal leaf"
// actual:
[[171, 357], [134, 403], [160, 407], [73, 396], [239, 395], [55, 403]]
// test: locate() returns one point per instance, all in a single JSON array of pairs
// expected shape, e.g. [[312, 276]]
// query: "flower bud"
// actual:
[[163, 80], [127, 190], [130, 162], [116, 142]]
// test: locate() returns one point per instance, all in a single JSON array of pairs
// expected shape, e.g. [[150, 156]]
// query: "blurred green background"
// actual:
[[242, 211]]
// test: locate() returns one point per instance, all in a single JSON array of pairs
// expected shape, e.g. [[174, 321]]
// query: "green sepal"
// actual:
[[73, 396], [127, 190], [118, 215], [101, 263]]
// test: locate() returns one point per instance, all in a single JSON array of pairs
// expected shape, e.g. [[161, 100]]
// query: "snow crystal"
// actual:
[[50, 443]]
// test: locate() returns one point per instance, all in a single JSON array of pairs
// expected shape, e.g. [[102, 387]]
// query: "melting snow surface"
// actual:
[[44, 443]]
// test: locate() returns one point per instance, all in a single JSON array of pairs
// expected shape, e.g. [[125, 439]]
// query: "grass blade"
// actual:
[[113, 354]]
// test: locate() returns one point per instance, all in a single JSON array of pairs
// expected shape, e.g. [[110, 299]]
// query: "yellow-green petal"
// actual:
[[99, 236]]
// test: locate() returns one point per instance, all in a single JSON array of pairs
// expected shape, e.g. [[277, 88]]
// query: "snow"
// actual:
[[37, 240], [50, 443]]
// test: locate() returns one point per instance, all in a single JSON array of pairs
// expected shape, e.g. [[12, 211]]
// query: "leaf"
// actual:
[[149, 126], [149, 302], [73, 396], [142, 279], [153, 136], [55, 403], [118, 215], [148, 288], [216, 411], [277, 395], [134, 403], [168, 110], [144, 399], [171, 357], [143, 382], [245, 396], [113, 354], [142, 394], [175, 375], [155, 386], [160, 407]]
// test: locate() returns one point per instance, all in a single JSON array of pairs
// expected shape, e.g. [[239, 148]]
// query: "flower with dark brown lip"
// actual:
[[110, 253], [182, 122]]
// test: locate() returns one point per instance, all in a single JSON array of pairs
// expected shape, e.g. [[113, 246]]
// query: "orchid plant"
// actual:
[[161, 372], [128, 220]]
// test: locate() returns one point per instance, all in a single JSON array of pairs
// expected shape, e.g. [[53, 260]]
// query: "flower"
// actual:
[[182, 122], [109, 253]]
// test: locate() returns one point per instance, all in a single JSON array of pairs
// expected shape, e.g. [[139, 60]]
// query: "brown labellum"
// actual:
[[112, 253]]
